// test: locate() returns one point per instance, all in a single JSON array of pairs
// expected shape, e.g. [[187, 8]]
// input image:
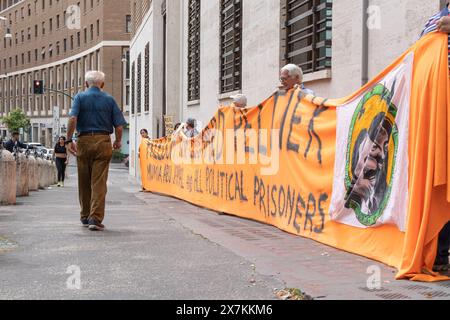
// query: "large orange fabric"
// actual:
[[297, 197]]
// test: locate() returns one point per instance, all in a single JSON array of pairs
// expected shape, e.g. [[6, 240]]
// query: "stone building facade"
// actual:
[[57, 41]]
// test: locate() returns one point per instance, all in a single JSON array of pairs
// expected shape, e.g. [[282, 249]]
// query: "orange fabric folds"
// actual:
[[368, 174]]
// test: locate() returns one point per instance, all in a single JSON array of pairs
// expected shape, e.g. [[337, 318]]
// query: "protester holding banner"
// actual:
[[191, 130], [291, 76], [441, 22], [239, 101]]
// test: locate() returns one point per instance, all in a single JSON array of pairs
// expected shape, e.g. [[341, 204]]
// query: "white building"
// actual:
[[201, 52]]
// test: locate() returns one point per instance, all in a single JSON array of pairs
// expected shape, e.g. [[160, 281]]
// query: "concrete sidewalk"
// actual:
[[158, 247]]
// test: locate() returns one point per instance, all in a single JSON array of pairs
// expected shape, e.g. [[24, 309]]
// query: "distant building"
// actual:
[[48, 44]]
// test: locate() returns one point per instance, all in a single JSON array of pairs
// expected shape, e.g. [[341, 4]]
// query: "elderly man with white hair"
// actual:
[[239, 100], [291, 76], [95, 115]]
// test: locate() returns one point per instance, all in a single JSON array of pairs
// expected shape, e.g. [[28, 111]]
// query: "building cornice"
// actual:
[[142, 25], [11, 7], [71, 58]]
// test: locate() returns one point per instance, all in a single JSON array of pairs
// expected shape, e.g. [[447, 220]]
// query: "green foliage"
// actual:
[[16, 120], [117, 156]]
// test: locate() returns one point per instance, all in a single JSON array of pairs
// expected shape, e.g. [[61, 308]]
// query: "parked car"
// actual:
[[34, 146], [47, 153]]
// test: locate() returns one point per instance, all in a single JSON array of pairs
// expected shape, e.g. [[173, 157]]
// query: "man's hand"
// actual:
[[117, 145], [443, 24], [72, 147]]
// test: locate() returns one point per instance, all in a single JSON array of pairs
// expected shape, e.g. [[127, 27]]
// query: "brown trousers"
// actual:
[[94, 154]]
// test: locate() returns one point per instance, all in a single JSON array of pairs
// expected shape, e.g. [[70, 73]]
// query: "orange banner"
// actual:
[[275, 163]]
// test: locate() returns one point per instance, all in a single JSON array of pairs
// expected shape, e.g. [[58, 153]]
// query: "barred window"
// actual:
[[194, 51], [138, 84], [133, 88], [306, 33], [230, 45], [147, 78]]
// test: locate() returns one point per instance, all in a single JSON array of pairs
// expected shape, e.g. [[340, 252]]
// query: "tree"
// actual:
[[16, 120]]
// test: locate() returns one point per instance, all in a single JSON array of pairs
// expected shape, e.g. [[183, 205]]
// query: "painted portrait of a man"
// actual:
[[369, 166]]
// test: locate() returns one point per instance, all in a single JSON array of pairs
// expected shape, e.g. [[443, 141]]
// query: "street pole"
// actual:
[[57, 91]]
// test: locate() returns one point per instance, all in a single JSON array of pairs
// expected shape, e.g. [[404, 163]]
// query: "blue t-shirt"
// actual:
[[96, 111], [432, 26]]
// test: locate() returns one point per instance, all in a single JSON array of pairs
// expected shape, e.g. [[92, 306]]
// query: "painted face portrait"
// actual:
[[369, 166]]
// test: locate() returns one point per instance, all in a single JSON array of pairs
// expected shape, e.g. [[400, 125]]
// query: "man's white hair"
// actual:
[[94, 78], [293, 70], [241, 99]]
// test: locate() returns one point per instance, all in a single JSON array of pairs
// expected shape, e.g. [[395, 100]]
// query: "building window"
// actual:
[[194, 51], [147, 78], [133, 88], [128, 24], [230, 45], [138, 84], [306, 37]]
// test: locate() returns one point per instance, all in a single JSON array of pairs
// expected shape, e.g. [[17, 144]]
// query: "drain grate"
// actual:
[[262, 233], [435, 294], [393, 296], [445, 284], [212, 224], [374, 290], [241, 235], [416, 287]]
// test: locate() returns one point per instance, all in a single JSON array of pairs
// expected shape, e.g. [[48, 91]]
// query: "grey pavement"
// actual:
[[157, 247]]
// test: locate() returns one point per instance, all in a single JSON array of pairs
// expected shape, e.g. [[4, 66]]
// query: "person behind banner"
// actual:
[[239, 101], [191, 130], [441, 22], [96, 115], [291, 76], [144, 134]]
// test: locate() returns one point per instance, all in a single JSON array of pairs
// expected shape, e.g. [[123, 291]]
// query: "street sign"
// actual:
[[56, 132], [168, 123]]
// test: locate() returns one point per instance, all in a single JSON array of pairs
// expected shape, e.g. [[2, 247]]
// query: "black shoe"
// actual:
[[95, 226], [85, 222]]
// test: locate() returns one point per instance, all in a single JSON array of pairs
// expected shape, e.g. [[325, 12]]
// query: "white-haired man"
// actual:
[[291, 76], [239, 100], [95, 114]]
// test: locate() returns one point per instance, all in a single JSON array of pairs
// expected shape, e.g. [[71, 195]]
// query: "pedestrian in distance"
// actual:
[[61, 160]]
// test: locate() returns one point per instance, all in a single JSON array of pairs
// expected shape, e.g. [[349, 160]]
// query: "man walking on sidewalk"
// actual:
[[95, 115]]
